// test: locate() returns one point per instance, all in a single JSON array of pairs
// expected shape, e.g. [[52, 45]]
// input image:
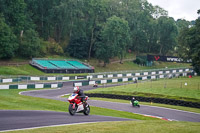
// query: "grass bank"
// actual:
[[178, 88], [122, 127], [127, 66], [28, 70], [112, 67]]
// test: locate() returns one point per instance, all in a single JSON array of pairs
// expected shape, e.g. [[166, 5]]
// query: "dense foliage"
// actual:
[[93, 28], [8, 43], [189, 44], [114, 39]]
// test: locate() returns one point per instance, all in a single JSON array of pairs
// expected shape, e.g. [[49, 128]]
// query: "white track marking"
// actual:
[[20, 93], [52, 126]]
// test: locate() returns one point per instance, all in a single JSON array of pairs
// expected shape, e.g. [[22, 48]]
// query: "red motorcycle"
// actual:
[[77, 106]]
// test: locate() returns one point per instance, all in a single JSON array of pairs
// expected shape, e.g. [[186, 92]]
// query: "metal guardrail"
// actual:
[[136, 71], [7, 79]]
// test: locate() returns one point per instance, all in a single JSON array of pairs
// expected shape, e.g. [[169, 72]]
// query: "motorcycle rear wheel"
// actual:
[[71, 110], [86, 110]]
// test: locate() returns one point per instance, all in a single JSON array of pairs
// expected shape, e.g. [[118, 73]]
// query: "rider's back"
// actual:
[[80, 93]]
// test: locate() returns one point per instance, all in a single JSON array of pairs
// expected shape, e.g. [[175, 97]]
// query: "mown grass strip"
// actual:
[[123, 127], [28, 70], [170, 88]]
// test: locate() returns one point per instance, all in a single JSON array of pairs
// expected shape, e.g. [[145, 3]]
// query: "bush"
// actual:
[[30, 44], [54, 48], [50, 47], [140, 61]]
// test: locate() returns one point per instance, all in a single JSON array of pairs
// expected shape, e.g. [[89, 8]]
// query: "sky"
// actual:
[[179, 9]]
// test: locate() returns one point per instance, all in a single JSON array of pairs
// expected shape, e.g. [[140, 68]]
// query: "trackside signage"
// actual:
[[167, 59]]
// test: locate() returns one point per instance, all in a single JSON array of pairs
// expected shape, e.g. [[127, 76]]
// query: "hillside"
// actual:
[[22, 67]]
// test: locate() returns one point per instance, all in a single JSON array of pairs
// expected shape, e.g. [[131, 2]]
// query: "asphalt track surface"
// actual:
[[15, 119], [29, 119]]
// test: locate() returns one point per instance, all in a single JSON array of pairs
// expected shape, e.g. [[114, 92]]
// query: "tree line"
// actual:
[[102, 29], [189, 44]]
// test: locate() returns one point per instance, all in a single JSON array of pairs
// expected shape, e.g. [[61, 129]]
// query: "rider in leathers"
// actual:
[[80, 93]]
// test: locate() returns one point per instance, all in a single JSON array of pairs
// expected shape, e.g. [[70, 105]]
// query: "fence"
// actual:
[[136, 77], [32, 86], [148, 74]]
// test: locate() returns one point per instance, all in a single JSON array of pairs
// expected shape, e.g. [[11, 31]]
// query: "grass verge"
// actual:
[[169, 88], [123, 127], [28, 70]]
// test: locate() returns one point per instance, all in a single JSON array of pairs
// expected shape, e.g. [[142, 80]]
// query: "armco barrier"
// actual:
[[32, 86], [183, 71], [9, 80], [149, 99], [126, 79], [43, 78]]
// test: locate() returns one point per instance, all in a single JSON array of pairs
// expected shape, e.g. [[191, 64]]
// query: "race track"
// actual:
[[18, 119], [170, 114], [27, 119]]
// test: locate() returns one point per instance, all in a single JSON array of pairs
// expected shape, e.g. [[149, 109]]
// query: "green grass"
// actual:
[[11, 100], [27, 70], [129, 66], [123, 127], [19, 70], [171, 88]]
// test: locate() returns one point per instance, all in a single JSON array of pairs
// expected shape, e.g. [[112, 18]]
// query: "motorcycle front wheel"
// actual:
[[71, 110], [87, 110]]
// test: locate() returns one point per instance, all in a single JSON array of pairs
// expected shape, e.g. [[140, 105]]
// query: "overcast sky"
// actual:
[[184, 9]]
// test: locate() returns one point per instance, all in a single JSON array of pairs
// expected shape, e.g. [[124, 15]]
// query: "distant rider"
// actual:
[[133, 100]]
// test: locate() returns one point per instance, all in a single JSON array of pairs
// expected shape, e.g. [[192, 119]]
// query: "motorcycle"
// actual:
[[95, 85], [135, 103], [77, 106]]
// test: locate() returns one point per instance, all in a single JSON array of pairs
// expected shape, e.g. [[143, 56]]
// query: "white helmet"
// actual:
[[76, 89]]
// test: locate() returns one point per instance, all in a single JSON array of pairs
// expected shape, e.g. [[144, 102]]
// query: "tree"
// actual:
[[182, 24], [30, 44], [189, 44], [78, 47], [15, 15], [167, 34], [114, 39], [41, 12], [8, 43], [95, 14]]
